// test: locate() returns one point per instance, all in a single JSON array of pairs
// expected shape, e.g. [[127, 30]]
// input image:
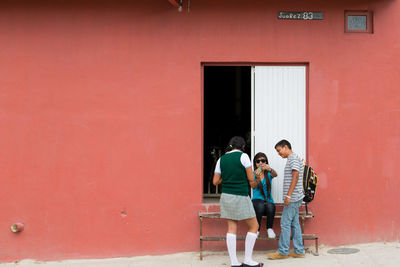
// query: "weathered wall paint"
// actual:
[[101, 119]]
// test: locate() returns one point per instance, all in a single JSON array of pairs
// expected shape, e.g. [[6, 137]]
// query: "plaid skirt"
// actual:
[[236, 207]]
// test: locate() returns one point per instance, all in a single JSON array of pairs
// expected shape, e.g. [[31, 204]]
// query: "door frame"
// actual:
[[249, 64]]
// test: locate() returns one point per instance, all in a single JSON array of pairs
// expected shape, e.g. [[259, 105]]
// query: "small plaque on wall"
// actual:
[[358, 21], [306, 15]]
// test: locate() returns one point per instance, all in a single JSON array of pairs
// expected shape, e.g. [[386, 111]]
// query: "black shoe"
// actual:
[[257, 265]]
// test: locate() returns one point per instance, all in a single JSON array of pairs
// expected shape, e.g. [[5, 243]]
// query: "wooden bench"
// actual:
[[278, 215]]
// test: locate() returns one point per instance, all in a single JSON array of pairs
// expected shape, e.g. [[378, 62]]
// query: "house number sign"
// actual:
[[306, 15]]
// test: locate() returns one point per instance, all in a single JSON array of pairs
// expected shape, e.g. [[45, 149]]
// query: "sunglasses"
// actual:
[[261, 160]]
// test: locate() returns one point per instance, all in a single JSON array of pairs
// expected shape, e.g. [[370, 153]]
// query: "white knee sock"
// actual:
[[231, 244], [248, 250]]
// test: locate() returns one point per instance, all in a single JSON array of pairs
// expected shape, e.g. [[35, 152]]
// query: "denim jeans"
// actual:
[[290, 222], [262, 208]]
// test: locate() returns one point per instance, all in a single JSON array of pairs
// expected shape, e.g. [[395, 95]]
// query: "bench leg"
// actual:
[[201, 241], [316, 247], [201, 250]]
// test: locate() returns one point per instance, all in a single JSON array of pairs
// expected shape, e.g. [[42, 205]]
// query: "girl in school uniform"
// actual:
[[234, 171]]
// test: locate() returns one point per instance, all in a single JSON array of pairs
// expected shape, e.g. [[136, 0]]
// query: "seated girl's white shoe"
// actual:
[[271, 233]]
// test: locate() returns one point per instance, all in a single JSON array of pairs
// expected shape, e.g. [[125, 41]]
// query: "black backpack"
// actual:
[[310, 181]]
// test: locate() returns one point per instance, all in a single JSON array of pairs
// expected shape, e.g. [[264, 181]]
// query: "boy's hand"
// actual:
[[287, 201]]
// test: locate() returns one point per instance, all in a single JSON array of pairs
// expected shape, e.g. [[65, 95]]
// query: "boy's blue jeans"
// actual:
[[290, 222]]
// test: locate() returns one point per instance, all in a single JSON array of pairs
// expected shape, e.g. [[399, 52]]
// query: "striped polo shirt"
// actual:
[[293, 162]]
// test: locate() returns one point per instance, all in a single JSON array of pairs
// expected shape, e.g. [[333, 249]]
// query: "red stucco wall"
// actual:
[[101, 119]]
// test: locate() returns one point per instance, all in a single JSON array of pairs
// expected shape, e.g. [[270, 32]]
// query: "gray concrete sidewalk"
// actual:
[[370, 255]]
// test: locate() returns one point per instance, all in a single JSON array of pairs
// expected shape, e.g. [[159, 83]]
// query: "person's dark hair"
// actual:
[[267, 181], [258, 156], [236, 142], [283, 143]]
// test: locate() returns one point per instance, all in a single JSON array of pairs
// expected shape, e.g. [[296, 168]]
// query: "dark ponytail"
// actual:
[[236, 142]]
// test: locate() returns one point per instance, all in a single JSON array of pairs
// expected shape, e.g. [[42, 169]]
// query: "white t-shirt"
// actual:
[[244, 159]]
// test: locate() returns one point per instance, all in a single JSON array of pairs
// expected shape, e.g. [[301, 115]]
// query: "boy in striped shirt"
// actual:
[[293, 197]]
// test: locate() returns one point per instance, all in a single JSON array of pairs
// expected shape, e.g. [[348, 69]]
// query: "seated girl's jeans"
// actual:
[[264, 208]]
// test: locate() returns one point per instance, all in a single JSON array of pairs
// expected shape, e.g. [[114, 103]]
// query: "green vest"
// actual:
[[233, 173]]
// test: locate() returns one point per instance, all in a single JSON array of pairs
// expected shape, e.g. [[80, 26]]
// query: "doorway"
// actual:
[[227, 112], [263, 104]]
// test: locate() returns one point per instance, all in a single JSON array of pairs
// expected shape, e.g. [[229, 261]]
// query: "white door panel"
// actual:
[[278, 112]]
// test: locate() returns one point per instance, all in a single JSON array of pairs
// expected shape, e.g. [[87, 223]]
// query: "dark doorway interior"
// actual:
[[227, 112]]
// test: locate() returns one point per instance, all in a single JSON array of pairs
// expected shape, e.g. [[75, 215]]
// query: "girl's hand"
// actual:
[[267, 167], [258, 172]]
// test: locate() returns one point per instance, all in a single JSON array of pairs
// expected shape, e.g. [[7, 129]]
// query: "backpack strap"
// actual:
[[305, 175]]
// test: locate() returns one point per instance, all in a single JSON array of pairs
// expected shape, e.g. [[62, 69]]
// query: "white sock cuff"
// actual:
[[229, 234], [252, 234]]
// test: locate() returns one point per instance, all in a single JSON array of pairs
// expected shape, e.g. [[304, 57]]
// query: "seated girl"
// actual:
[[262, 198]]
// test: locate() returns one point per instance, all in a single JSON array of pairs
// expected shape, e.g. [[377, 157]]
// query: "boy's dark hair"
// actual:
[[236, 142], [283, 143]]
